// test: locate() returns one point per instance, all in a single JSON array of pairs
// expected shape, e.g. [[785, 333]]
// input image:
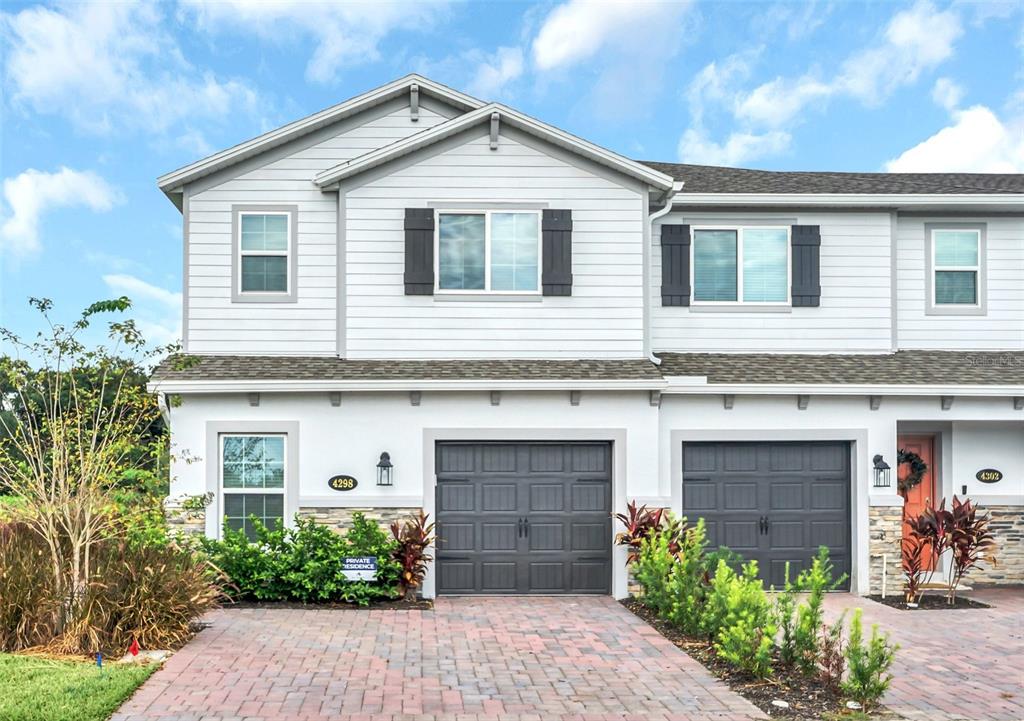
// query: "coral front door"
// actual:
[[922, 495]]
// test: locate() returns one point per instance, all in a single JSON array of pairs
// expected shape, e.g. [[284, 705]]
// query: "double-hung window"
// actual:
[[956, 264], [488, 251], [253, 480], [264, 248], [741, 265]]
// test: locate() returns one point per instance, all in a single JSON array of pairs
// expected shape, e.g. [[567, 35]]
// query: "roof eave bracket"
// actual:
[[414, 102], [495, 120]]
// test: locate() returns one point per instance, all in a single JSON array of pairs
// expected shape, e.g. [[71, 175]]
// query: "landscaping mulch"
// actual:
[[397, 605], [807, 698], [929, 602]]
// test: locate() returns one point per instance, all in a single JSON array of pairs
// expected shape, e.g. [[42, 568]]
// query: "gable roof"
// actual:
[[717, 179], [483, 114], [173, 181]]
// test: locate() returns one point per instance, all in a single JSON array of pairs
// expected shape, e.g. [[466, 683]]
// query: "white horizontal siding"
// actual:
[[602, 318], [855, 311], [214, 324], [1002, 326]]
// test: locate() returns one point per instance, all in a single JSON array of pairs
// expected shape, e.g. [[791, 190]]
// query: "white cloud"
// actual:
[[576, 30], [738, 148], [947, 94], [915, 40], [493, 74], [976, 141], [344, 33], [157, 310], [110, 66], [34, 192]]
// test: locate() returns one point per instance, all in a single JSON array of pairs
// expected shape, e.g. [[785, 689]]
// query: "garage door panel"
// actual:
[[457, 537], [801, 488], [497, 536], [740, 535], [786, 496], [500, 497], [547, 576], [457, 497], [776, 570], [700, 495], [829, 496], [786, 535], [562, 491], [591, 496], [739, 496], [498, 576]]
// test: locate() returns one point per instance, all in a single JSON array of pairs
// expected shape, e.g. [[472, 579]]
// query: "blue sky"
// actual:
[[99, 99]]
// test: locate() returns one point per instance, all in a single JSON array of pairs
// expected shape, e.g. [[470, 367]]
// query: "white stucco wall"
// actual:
[[978, 445]]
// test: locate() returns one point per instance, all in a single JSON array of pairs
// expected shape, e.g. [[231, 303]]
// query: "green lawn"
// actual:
[[38, 689]]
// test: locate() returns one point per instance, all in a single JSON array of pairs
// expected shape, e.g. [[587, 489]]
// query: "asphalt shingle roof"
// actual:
[[910, 367], [233, 367], [716, 179]]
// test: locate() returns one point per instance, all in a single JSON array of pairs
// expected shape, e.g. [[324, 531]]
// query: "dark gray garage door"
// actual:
[[773, 502], [520, 518]]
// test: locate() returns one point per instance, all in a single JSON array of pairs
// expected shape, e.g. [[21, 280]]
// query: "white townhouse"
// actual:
[[416, 299]]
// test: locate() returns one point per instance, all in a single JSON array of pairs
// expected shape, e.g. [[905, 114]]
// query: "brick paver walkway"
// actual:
[[520, 659], [953, 665]]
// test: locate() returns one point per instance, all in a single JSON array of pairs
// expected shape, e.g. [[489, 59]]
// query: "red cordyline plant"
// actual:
[[414, 537], [641, 522], [959, 530]]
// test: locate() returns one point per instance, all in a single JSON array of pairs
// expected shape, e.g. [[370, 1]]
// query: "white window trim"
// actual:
[[976, 269], [222, 491], [980, 306], [486, 290], [738, 229], [286, 253]]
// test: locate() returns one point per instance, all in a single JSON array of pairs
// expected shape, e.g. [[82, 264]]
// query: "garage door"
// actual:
[[773, 502], [523, 518]]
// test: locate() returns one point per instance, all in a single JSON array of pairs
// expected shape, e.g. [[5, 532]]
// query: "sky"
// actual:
[[98, 99]]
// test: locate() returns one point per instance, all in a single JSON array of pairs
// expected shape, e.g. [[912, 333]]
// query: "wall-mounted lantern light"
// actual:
[[883, 474], [384, 469]]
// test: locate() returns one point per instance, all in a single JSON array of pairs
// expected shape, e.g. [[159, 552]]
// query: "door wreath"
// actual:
[[917, 469]]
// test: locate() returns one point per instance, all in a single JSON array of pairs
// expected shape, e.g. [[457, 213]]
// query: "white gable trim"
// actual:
[[484, 114], [174, 181]]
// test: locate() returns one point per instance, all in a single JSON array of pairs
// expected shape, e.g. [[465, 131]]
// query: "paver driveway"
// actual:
[[490, 658], [953, 665]]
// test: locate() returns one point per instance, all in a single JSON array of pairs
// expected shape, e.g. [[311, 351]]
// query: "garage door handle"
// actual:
[[526, 527], [519, 528], [762, 524]]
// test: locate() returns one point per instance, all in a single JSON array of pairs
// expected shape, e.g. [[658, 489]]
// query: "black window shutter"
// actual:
[[556, 252], [419, 251], [675, 265], [806, 241]]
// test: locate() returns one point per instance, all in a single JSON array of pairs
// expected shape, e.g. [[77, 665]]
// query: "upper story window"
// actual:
[[741, 265], [488, 251], [264, 252], [956, 269], [956, 263], [264, 243]]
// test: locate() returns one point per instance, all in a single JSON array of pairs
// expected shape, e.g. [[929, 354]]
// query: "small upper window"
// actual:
[[484, 251], [264, 249], [741, 265], [956, 262]]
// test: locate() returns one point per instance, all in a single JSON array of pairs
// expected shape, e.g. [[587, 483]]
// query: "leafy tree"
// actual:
[[76, 427]]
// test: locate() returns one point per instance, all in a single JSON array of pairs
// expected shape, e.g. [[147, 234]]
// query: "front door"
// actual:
[[923, 495]]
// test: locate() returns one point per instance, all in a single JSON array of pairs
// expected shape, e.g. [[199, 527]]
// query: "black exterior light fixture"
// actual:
[[883, 474], [384, 469]]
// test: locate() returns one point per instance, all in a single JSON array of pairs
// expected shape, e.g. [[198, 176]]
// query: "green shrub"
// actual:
[[304, 563], [687, 585], [738, 617], [867, 678], [652, 569], [801, 623]]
